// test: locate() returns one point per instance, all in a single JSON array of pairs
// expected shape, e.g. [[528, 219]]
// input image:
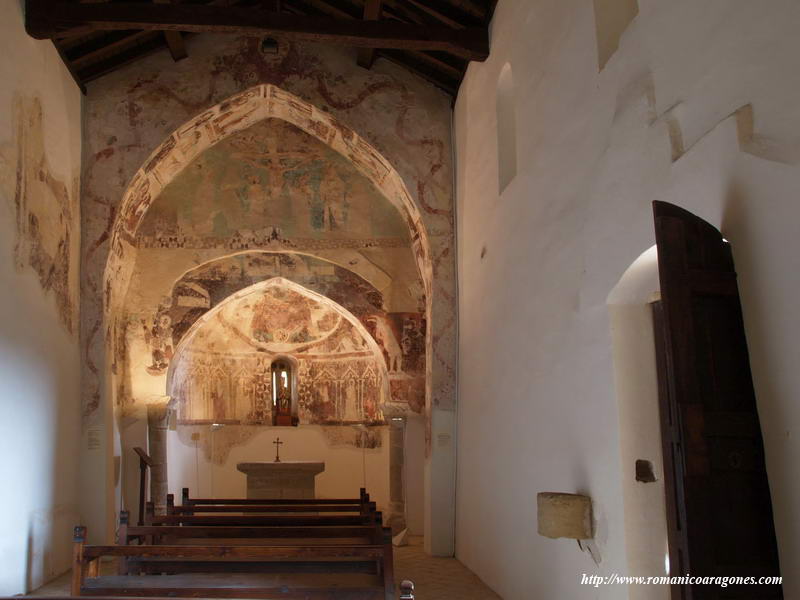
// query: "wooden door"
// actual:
[[718, 499]]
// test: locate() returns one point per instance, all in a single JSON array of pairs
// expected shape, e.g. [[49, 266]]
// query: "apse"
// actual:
[[278, 350]]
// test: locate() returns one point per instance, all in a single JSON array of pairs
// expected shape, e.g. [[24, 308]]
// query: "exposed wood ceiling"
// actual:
[[436, 39]]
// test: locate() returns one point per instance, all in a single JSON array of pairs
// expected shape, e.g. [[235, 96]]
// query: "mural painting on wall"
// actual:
[[398, 113], [271, 182], [221, 373], [45, 207], [158, 337], [401, 336]]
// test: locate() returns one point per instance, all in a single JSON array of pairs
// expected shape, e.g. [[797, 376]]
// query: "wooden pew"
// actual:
[[248, 548], [368, 532], [231, 517], [197, 535], [260, 571], [196, 506], [364, 528], [186, 500]]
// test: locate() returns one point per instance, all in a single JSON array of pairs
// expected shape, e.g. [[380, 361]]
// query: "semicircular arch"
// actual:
[[261, 288]]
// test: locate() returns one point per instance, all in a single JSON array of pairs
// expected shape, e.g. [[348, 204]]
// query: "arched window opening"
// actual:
[[506, 129], [283, 385]]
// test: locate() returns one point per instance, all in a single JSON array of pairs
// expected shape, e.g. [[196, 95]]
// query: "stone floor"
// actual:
[[434, 578], [438, 578]]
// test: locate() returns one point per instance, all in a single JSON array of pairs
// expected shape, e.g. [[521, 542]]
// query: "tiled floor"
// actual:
[[434, 578]]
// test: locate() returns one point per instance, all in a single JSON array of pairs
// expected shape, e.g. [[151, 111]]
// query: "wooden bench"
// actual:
[[362, 571], [288, 518], [188, 501], [287, 548], [369, 532], [236, 508]]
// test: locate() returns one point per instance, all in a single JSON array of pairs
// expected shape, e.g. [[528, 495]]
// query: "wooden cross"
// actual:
[[278, 443]]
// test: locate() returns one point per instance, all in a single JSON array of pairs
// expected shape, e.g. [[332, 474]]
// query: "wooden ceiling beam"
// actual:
[[175, 43], [372, 12], [319, 8], [452, 67], [45, 18], [153, 42], [101, 48], [443, 12], [424, 70]]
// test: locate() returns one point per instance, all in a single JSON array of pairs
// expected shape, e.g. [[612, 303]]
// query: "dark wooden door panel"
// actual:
[[718, 501]]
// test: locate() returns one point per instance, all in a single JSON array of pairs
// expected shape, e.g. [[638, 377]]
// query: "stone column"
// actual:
[[157, 424]]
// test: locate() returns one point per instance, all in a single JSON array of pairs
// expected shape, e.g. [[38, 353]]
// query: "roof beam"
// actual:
[[46, 18], [443, 12], [372, 12], [99, 49], [435, 76], [177, 48], [176, 45], [152, 42]]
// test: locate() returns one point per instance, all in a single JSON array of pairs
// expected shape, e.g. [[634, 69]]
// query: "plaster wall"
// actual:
[[40, 152], [347, 468], [697, 106]]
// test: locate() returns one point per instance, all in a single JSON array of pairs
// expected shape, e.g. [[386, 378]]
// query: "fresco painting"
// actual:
[[333, 161], [401, 336], [221, 370], [45, 205], [271, 180]]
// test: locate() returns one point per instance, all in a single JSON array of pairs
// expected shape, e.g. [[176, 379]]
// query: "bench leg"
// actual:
[[78, 539], [388, 564]]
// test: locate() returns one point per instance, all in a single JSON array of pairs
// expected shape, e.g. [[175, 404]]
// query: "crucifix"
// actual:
[[278, 443]]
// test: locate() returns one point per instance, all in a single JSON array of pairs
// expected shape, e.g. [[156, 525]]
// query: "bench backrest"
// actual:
[[187, 500], [86, 557]]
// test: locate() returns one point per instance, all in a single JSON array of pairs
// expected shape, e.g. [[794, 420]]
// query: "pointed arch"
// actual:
[[225, 119]]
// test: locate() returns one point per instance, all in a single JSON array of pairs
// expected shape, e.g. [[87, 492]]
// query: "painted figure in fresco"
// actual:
[[158, 336], [413, 344], [351, 408], [386, 338]]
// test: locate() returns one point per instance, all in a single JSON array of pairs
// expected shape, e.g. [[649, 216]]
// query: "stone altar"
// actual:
[[287, 479]]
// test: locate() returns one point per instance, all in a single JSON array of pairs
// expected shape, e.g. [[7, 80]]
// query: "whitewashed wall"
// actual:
[[347, 469], [39, 358], [699, 106]]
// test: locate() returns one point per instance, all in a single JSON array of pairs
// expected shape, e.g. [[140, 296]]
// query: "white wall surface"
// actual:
[[344, 471], [537, 407], [39, 359]]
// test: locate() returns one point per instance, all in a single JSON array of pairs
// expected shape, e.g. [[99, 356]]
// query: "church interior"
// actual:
[[397, 299]]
